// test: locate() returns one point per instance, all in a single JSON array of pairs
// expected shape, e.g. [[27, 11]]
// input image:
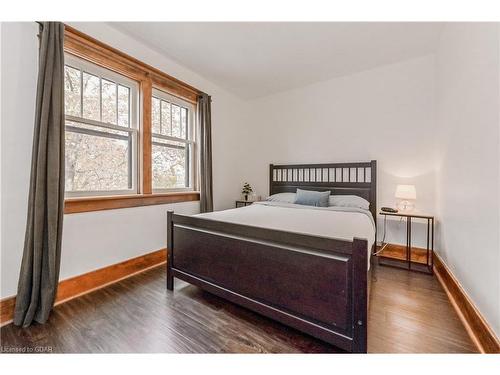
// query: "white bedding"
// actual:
[[333, 222]]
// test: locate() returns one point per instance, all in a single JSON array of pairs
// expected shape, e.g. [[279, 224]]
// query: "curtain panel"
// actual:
[[204, 121], [39, 274]]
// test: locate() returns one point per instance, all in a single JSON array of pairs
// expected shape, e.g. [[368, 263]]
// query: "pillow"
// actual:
[[349, 201], [282, 197], [312, 198]]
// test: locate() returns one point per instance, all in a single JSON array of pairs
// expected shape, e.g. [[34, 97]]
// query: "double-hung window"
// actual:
[[173, 155], [101, 109], [130, 130]]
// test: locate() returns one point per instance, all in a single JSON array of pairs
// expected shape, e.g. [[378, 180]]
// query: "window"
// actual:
[[116, 157], [172, 149], [101, 130]]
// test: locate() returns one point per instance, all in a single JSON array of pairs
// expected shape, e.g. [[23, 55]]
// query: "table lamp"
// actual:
[[406, 195]]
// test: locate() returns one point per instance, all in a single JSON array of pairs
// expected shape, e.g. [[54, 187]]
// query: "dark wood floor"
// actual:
[[409, 312]]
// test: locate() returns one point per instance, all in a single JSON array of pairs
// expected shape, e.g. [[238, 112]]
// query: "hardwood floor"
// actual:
[[393, 251], [409, 312]]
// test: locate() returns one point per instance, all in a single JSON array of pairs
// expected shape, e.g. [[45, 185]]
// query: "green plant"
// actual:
[[247, 189]]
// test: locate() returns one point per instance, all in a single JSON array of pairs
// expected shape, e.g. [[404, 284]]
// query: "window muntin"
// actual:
[[101, 130], [172, 149]]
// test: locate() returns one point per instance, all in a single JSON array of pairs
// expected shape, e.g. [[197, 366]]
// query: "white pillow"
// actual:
[[282, 197], [349, 201]]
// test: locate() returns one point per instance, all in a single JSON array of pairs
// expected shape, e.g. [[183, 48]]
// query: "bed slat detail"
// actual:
[[340, 178]]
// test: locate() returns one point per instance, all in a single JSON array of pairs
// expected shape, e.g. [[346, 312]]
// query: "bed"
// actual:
[[302, 266]]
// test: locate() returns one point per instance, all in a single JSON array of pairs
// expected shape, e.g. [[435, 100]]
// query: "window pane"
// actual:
[[91, 100], [176, 121], [166, 123], [123, 106], [97, 159], [109, 104], [170, 168], [72, 91], [155, 120], [184, 123]]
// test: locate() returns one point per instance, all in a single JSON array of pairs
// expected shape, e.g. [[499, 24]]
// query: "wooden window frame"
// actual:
[[188, 141], [87, 48], [132, 128]]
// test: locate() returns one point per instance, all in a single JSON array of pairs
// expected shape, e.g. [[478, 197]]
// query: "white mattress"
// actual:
[[333, 222]]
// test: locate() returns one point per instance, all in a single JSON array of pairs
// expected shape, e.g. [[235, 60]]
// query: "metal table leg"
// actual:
[[432, 248], [427, 248], [408, 241]]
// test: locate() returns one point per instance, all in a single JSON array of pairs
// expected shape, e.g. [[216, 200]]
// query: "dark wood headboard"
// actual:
[[340, 178]]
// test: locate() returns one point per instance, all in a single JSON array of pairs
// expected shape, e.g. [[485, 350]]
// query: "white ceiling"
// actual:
[[258, 59]]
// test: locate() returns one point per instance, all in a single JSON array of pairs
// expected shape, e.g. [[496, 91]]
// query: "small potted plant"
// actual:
[[247, 189]]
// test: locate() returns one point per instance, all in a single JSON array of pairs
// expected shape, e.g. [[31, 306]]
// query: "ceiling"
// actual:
[[257, 59]]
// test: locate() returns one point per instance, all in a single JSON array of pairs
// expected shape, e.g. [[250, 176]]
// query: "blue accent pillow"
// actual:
[[312, 198]]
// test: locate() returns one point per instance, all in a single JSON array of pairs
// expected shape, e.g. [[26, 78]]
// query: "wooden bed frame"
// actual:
[[317, 285]]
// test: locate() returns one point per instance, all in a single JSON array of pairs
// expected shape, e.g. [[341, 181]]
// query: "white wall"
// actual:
[[94, 240], [1, 183], [19, 71], [468, 83], [385, 114]]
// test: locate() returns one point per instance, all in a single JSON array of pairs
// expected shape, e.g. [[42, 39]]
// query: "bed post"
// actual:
[[373, 191], [359, 296], [271, 175], [170, 244]]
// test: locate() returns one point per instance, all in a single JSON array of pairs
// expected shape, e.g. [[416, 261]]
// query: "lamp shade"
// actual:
[[406, 192]]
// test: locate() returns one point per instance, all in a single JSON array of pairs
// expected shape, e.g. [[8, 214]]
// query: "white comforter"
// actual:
[[333, 222]]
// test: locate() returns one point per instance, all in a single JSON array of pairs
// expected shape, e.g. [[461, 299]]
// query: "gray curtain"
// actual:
[[205, 152], [39, 273]]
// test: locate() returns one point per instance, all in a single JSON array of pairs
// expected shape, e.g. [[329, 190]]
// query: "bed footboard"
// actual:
[[314, 284]]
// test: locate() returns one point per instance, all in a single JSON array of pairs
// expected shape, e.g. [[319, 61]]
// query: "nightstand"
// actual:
[[240, 203], [422, 260]]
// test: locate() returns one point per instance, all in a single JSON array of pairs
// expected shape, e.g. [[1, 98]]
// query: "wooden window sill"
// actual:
[[112, 202]]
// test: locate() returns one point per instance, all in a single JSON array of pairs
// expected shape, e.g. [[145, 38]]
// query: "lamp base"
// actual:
[[406, 205]]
